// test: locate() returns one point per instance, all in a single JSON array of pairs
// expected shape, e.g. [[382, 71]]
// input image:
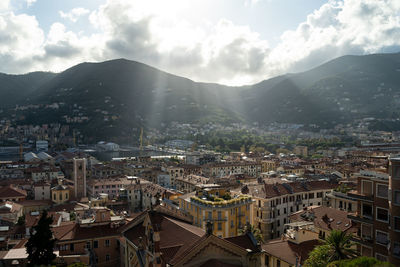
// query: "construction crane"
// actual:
[[141, 139]]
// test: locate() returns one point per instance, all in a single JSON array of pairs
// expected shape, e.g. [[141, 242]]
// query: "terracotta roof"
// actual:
[[280, 189], [175, 235], [11, 192], [33, 202], [288, 251], [245, 241], [325, 218]]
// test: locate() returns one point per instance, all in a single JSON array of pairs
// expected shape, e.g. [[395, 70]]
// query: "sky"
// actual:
[[233, 42]]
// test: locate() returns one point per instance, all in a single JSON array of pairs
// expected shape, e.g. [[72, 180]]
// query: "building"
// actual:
[[42, 145], [324, 220], [156, 239], [227, 212], [301, 151], [79, 175], [60, 194], [41, 190], [11, 193], [188, 183], [275, 202], [226, 169], [378, 212], [94, 242], [110, 186]]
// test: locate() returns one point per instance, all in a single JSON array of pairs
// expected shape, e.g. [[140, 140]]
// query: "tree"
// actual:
[[252, 229], [361, 261], [337, 246], [41, 243]]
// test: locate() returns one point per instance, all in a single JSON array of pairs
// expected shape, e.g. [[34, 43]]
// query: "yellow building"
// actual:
[[60, 194], [212, 203]]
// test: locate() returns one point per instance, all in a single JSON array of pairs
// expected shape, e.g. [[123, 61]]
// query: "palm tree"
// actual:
[[340, 245], [248, 228], [337, 246]]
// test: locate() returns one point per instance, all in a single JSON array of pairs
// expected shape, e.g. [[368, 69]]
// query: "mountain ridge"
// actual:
[[120, 95]]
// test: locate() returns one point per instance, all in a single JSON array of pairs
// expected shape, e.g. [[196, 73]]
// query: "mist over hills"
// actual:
[[119, 95]]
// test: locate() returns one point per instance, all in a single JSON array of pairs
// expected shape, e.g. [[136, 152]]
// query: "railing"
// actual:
[[358, 218]]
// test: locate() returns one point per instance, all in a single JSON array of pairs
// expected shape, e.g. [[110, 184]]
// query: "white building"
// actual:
[[42, 191]]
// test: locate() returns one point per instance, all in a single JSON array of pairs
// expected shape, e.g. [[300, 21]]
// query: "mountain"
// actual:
[[14, 88], [341, 90], [117, 97]]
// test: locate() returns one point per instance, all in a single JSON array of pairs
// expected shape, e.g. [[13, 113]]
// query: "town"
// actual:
[[197, 207]]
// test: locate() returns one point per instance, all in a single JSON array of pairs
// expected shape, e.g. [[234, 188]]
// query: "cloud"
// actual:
[[153, 32], [30, 2], [74, 14]]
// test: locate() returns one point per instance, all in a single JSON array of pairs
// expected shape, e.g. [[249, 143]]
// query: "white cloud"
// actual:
[[74, 14], [30, 2], [223, 52]]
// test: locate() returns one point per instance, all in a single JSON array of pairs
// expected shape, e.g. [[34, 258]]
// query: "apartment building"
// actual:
[[226, 169], [228, 213], [110, 186], [274, 203], [188, 183], [378, 212]]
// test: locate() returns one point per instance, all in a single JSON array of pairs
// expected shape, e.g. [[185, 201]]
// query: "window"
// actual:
[[279, 212], [319, 194], [232, 224], [54, 196], [396, 223], [107, 243], [66, 195], [381, 238], [279, 222], [284, 220], [366, 187], [219, 226], [71, 247], [291, 209], [107, 257], [396, 197], [266, 260], [210, 215], [396, 249], [311, 195], [278, 263], [382, 214], [367, 211], [88, 245], [382, 190], [219, 215], [95, 244]]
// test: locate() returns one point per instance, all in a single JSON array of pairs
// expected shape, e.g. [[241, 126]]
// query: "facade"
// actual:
[[226, 169], [41, 191], [79, 175], [60, 194], [341, 201], [378, 212], [207, 205], [188, 183], [109, 186], [301, 151], [164, 180], [274, 203]]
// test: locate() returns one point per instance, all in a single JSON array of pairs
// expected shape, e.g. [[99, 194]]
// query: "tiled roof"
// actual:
[[289, 251], [325, 218], [244, 241], [276, 190], [11, 192], [175, 235]]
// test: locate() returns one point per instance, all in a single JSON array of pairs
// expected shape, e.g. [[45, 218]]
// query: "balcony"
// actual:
[[219, 219], [359, 218], [358, 196]]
